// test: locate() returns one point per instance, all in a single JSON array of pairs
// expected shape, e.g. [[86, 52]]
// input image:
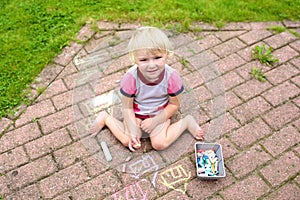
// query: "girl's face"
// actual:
[[150, 63]]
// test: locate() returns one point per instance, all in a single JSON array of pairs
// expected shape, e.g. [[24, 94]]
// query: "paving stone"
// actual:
[[192, 80], [254, 36], [280, 39], [281, 93], [201, 63], [82, 93], [12, 159], [57, 120], [130, 26], [35, 112], [248, 161], [236, 26], [67, 54], [47, 76], [106, 83], [107, 25], [231, 79], [189, 49], [48, 143], [4, 190], [175, 175], [140, 189], [94, 164], [75, 152], [246, 53], [209, 41], [96, 45], [284, 54], [296, 80], [297, 124], [63, 180], [203, 26], [229, 63], [85, 33], [229, 47], [258, 26], [31, 172], [281, 140], [251, 89], [19, 136], [296, 45], [281, 115], [205, 189], [282, 169], [251, 109], [288, 191], [4, 124], [121, 63], [244, 71], [230, 123], [68, 70], [54, 88], [232, 100], [202, 94], [180, 68], [63, 100], [291, 24], [64, 196], [250, 133], [228, 149], [181, 39], [297, 179], [30, 192], [252, 187], [226, 35], [98, 187], [174, 195], [281, 73], [71, 81]]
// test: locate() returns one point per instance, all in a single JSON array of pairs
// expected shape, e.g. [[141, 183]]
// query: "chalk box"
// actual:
[[217, 148]]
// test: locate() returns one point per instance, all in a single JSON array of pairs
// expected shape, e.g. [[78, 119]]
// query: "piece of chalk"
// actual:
[[124, 168], [106, 151], [128, 159]]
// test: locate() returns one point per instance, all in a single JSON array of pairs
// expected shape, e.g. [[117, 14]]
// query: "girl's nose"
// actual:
[[152, 63]]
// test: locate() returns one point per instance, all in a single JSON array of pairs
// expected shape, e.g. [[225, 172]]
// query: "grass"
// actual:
[[264, 55], [258, 74], [33, 32]]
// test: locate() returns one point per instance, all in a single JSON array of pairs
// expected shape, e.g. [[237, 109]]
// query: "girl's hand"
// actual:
[[148, 125], [134, 143]]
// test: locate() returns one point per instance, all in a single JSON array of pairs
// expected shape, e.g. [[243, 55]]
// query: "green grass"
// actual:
[[34, 31]]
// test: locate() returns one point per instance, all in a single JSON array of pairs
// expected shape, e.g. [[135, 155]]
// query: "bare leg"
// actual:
[[115, 126], [165, 134]]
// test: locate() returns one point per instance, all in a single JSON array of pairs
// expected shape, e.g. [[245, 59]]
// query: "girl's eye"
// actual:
[[158, 57], [143, 60]]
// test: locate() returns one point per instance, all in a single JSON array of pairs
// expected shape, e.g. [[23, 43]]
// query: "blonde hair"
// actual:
[[149, 38]]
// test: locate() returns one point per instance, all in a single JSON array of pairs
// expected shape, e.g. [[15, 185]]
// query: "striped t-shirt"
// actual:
[[151, 98]]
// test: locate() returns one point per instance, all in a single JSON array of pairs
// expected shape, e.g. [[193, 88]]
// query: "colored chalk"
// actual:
[[106, 151]]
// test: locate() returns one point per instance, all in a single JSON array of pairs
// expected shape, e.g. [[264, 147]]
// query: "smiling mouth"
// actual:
[[151, 71]]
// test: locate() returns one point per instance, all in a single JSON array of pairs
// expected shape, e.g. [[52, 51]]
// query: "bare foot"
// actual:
[[98, 124], [194, 128]]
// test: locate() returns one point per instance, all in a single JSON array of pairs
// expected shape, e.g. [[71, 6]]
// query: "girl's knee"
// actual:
[[158, 145]]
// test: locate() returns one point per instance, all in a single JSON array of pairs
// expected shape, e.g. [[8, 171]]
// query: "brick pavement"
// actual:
[[45, 151]]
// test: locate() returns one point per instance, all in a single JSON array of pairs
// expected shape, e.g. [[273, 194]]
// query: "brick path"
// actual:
[[45, 152]]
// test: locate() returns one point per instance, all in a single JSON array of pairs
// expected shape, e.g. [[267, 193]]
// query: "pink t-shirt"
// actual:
[[150, 98]]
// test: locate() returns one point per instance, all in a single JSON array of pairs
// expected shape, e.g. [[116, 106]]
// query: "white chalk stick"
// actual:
[[106, 151]]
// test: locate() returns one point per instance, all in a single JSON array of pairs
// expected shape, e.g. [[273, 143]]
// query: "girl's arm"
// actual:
[[132, 129], [149, 124]]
